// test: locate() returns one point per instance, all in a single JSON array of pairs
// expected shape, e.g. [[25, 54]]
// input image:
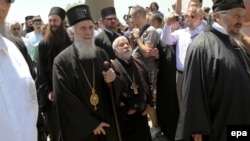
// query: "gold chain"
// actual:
[[93, 85], [94, 99]]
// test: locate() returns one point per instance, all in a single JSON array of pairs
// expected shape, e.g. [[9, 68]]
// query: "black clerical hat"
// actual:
[[30, 17], [108, 11], [78, 13], [220, 5], [58, 11]]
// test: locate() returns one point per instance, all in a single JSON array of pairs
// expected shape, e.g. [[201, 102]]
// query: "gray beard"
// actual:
[[236, 39], [85, 51]]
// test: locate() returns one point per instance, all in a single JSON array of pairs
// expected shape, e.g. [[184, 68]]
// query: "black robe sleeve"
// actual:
[[193, 118]]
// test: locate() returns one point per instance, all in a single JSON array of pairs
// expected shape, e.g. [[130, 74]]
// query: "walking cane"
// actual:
[[106, 65]]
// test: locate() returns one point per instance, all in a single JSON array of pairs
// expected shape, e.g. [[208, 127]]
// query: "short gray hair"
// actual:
[[115, 42]]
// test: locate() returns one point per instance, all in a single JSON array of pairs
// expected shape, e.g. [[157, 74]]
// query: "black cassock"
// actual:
[[77, 117], [216, 88], [133, 127], [104, 40], [46, 54]]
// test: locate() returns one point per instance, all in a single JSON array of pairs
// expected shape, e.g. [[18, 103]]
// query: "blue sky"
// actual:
[[21, 8]]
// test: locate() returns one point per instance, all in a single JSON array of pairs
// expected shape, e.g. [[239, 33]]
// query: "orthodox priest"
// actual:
[[54, 41], [132, 91], [81, 95], [106, 37], [215, 91]]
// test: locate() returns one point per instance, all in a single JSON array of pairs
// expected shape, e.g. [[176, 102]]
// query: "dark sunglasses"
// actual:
[[10, 1]]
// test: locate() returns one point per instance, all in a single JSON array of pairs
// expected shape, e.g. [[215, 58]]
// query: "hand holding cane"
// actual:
[[106, 65]]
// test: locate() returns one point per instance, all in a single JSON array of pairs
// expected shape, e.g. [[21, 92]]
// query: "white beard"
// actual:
[[125, 54], [235, 38], [85, 51]]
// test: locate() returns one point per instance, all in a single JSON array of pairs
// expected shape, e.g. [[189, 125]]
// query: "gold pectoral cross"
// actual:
[[94, 99], [134, 87]]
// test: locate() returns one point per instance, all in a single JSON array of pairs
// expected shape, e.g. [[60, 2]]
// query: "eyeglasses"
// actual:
[[111, 19], [15, 28], [10, 1]]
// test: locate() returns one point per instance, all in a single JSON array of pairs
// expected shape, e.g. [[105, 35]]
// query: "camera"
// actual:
[[127, 17], [179, 18], [130, 7]]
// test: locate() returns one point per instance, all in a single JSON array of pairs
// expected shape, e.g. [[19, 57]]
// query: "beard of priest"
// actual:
[[85, 45]]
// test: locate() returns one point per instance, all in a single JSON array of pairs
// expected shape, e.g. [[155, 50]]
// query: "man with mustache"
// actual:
[[132, 91], [82, 98], [54, 41], [215, 88]]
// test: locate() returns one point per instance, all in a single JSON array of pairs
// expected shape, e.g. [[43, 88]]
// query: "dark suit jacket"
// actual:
[[104, 40]]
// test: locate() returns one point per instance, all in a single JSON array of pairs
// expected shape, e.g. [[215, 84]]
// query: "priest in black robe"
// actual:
[[132, 92], [105, 38], [215, 90], [167, 107], [81, 95], [54, 41]]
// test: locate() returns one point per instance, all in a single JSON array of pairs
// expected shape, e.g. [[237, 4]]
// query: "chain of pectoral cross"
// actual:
[[133, 86]]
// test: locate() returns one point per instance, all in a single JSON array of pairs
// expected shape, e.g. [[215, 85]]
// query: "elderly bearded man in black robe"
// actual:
[[132, 91], [216, 84], [81, 95]]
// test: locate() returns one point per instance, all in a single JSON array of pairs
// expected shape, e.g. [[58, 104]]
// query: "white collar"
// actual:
[[220, 28]]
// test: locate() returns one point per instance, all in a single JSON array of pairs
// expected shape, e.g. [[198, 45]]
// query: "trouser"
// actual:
[[51, 121], [42, 127], [179, 78]]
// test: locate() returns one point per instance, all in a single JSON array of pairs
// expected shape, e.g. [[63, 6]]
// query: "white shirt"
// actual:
[[182, 39], [31, 39], [18, 100]]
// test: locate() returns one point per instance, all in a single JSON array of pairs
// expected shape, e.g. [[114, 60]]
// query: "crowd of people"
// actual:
[[188, 72]]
